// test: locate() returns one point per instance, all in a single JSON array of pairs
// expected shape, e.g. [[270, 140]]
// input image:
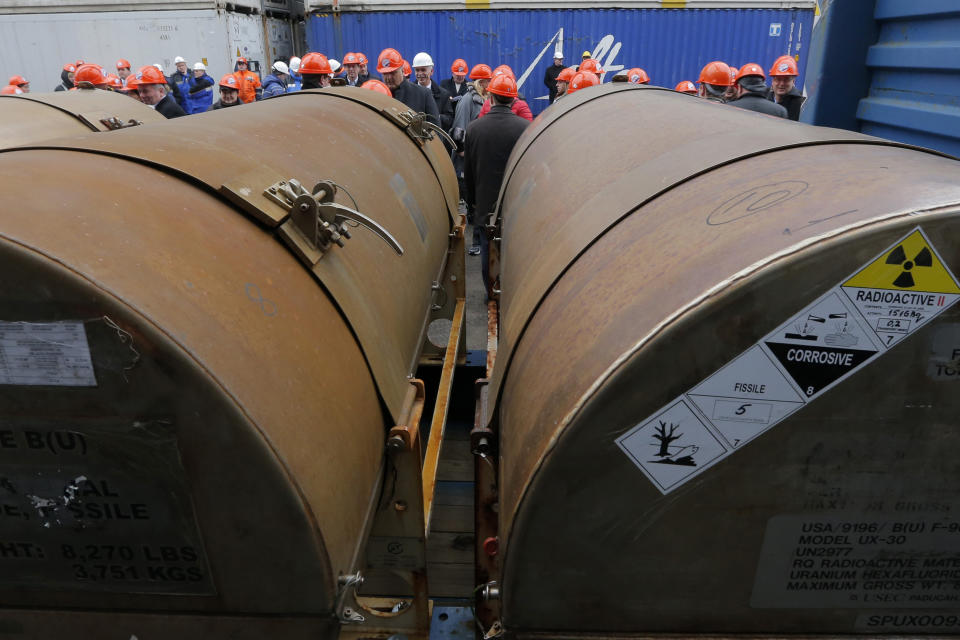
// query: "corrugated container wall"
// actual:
[[889, 69], [670, 44]]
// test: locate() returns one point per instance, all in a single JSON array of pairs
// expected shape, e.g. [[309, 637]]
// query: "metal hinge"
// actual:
[[113, 123], [419, 128], [316, 222]]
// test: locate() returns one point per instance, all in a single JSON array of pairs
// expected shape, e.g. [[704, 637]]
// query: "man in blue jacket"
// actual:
[[275, 84], [180, 80], [199, 95]]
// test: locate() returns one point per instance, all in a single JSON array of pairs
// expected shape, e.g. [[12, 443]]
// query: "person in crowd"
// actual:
[[351, 68], [181, 81], [20, 82], [130, 88], [419, 99], [66, 77], [90, 76], [783, 79], [295, 81], [379, 87], [423, 69], [152, 86], [563, 81], [519, 106], [123, 69], [275, 84], [714, 80], [685, 86], [550, 77], [582, 80], [248, 81], [229, 92], [315, 70], [487, 147], [752, 92], [199, 90], [638, 76], [468, 110], [364, 72], [456, 85]]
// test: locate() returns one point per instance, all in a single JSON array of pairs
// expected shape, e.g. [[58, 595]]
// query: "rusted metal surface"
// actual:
[[317, 136], [35, 117], [441, 407], [630, 176], [450, 288], [674, 291], [231, 420]]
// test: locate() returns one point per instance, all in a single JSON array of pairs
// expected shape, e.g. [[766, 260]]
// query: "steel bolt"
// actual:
[[400, 505]]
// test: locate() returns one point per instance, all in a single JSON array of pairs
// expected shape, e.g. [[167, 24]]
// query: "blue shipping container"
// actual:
[[669, 44]]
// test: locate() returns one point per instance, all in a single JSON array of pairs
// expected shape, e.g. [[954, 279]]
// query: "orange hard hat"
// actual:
[[733, 74], [582, 80], [362, 58], [566, 75], [459, 66], [90, 74], [123, 64], [131, 84], [685, 86], [717, 73], [18, 81], [351, 58], [389, 60], [315, 63], [114, 81], [637, 76], [149, 75], [11, 90], [406, 69], [751, 69], [504, 69], [230, 82], [243, 60], [79, 63], [784, 66], [70, 67], [503, 85], [481, 72], [592, 66], [379, 87]]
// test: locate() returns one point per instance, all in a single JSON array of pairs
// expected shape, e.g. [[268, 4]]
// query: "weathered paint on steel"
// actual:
[[670, 44]]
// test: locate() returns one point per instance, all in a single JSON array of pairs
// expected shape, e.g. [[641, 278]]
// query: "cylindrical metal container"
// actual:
[[193, 421], [35, 117], [726, 376]]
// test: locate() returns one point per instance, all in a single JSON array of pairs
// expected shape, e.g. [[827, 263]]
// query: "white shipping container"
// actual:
[[38, 45], [91, 6], [279, 41]]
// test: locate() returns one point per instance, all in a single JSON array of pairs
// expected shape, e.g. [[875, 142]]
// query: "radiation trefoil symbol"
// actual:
[[899, 256]]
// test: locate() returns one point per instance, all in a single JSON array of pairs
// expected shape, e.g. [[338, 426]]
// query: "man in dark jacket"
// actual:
[[487, 146], [152, 87], [423, 68], [419, 99], [752, 92], [200, 92], [181, 80], [66, 77], [456, 87], [229, 92], [550, 77], [275, 84], [783, 78]]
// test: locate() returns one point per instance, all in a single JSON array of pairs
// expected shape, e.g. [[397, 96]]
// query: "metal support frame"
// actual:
[[449, 288]]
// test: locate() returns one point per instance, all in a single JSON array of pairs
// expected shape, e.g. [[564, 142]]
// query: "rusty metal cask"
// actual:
[[194, 395], [727, 375]]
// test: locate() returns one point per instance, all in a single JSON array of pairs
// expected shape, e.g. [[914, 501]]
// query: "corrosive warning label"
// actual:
[[899, 291]]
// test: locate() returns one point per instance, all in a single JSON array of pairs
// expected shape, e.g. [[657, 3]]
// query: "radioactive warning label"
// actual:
[[855, 322]]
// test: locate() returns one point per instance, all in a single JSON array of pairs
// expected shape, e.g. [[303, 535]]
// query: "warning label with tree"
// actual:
[[853, 323]]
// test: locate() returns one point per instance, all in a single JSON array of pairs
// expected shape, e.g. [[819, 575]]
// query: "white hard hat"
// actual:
[[158, 66], [558, 54], [295, 64], [178, 60], [334, 64], [281, 67], [422, 60], [199, 66]]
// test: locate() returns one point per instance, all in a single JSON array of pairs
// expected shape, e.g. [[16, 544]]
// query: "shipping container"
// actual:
[[106, 6], [670, 44], [38, 45], [888, 68]]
